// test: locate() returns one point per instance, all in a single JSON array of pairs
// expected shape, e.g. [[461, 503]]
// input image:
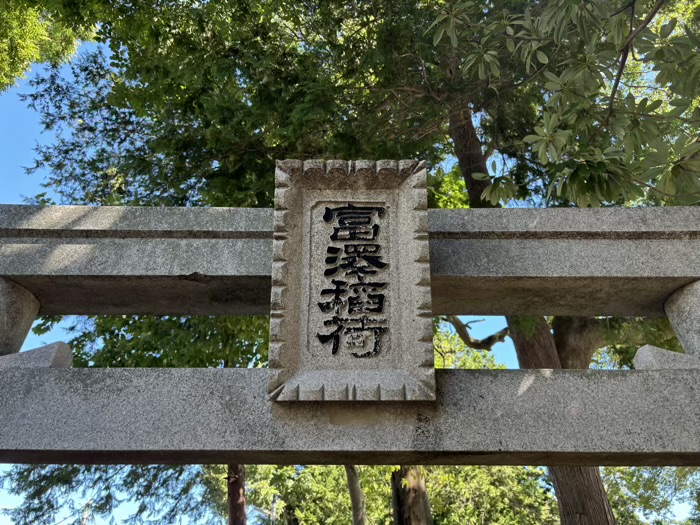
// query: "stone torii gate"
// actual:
[[365, 220]]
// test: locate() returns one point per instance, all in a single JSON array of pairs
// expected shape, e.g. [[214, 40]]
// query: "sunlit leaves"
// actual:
[[78, 494], [447, 189], [668, 28], [30, 34]]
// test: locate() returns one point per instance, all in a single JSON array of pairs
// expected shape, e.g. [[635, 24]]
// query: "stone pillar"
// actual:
[[18, 310], [683, 310]]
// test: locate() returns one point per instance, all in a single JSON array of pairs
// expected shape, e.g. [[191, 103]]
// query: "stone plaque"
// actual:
[[351, 308]]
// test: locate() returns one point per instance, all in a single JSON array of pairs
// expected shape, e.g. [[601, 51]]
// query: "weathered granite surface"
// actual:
[[55, 355], [82, 260], [677, 223], [531, 417], [351, 318], [129, 222], [18, 310], [683, 311], [110, 260], [651, 357], [607, 261]]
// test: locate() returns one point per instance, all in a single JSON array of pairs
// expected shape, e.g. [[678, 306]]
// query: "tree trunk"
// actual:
[[469, 155], [580, 492], [409, 497], [581, 496], [236, 495], [577, 339], [357, 497], [534, 343]]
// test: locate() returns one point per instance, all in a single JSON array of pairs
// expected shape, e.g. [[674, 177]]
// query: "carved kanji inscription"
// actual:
[[351, 314]]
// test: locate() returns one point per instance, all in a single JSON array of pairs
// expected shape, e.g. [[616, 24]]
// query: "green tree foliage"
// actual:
[[650, 491], [317, 495], [446, 189], [164, 495], [495, 495], [623, 337], [365, 79], [615, 87], [170, 342], [227, 87], [30, 33]]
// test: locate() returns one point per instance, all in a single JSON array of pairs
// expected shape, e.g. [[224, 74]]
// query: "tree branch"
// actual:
[[644, 24], [357, 495], [477, 344], [625, 51], [618, 76], [622, 9]]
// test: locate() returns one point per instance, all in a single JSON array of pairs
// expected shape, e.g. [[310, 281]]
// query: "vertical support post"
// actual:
[[683, 311], [18, 310]]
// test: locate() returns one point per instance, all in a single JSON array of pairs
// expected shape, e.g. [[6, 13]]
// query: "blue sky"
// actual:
[[19, 132]]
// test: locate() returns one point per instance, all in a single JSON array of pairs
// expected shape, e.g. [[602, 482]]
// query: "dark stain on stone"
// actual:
[[196, 277], [424, 434]]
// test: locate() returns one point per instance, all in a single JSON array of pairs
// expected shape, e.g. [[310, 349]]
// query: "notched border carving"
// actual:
[[416, 380]]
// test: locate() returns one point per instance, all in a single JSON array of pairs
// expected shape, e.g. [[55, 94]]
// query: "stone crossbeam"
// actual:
[[539, 417], [114, 260]]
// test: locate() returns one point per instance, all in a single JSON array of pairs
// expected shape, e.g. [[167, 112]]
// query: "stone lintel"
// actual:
[[96, 260], [531, 417]]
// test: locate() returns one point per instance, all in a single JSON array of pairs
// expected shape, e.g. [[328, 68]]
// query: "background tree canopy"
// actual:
[[544, 103], [564, 101]]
